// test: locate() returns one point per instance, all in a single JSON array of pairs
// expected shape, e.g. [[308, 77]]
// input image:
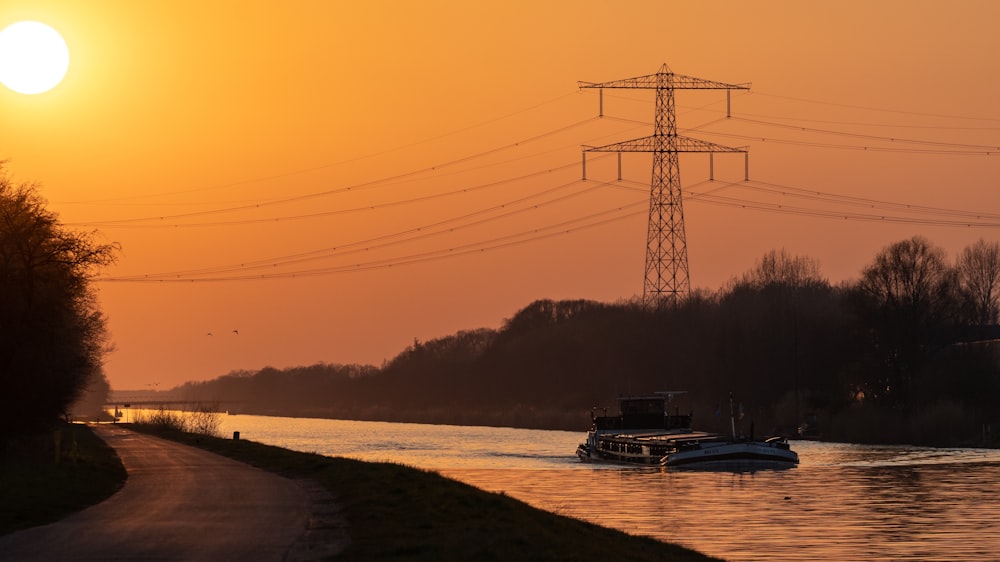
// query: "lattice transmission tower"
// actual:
[[667, 280]]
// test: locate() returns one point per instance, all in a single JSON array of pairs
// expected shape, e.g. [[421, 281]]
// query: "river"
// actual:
[[843, 501]]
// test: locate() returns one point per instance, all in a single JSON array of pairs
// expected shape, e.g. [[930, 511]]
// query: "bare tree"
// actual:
[[908, 295], [979, 275], [778, 267], [911, 276]]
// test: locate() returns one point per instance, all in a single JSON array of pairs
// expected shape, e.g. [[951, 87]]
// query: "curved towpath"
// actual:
[[178, 503]]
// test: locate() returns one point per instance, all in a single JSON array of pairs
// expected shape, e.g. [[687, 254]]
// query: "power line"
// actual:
[[978, 147], [870, 124], [355, 187], [878, 109], [396, 238], [830, 214], [128, 223], [959, 218], [785, 190], [863, 148], [422, 231], [332, 164], [165, 221], [158, 222], [559, 229]]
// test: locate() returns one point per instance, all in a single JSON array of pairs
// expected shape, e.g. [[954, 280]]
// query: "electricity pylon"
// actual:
[[667, 279]]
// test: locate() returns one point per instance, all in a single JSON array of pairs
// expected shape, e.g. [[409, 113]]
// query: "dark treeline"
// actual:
[[52, 334], [902, 355]]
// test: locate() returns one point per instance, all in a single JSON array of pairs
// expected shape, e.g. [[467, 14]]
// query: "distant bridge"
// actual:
[[167, 404], [153, 400]]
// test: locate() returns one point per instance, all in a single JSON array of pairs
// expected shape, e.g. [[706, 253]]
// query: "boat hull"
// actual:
[[642, 447], [688, 449], [585, 454], [734, 452]]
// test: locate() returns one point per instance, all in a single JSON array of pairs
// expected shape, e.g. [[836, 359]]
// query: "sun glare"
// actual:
[[33, 57]]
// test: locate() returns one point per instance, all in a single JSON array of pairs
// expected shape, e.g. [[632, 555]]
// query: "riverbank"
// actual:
[[401, 513], [393, 512]]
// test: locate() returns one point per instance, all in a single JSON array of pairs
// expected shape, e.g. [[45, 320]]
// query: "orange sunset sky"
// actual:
[[334, 179]]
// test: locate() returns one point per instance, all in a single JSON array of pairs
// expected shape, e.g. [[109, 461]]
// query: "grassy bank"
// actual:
[[38, 487], [400, 513]]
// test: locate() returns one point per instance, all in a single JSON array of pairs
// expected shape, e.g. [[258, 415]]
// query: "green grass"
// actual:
[[35, 489], [400, 513]]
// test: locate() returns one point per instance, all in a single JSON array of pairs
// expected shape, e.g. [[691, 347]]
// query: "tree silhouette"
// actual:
[[979, 274], [779, 268], [52, 336], [908, 295]]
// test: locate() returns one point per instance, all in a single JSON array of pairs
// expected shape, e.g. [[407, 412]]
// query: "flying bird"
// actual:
[[237, 332], [210, 333]]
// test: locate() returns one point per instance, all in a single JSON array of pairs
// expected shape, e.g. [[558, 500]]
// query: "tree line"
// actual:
[[906, 353]]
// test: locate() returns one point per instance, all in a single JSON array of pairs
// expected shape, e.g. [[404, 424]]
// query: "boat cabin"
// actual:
[[644, 412]]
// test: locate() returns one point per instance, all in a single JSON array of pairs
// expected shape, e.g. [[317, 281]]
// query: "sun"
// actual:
[[33, 57]]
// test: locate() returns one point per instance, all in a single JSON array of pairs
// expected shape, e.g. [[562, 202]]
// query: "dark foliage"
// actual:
[[52, 335]]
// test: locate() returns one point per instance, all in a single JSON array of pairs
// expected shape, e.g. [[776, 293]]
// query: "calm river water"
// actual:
[[843, 502]]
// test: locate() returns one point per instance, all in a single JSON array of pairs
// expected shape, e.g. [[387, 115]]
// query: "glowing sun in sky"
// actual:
[[33, 57]]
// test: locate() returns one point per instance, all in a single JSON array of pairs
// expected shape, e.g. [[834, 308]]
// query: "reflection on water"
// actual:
[[937, 512], [843, 502]]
